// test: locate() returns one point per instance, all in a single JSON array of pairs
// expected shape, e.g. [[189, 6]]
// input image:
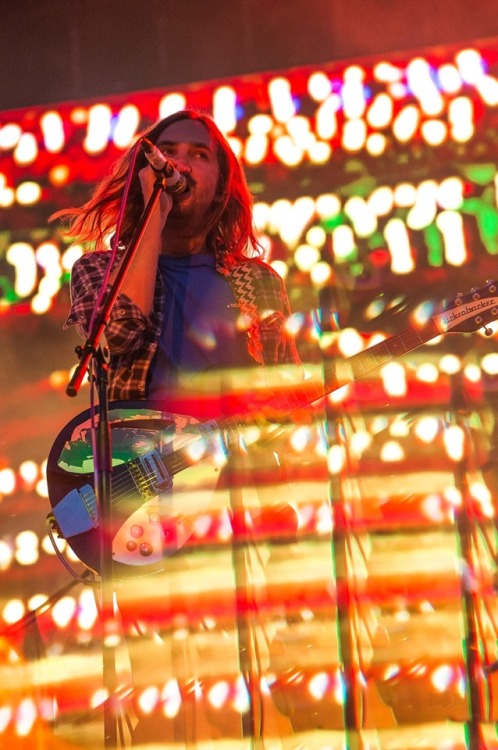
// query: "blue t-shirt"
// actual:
[[201, 328]]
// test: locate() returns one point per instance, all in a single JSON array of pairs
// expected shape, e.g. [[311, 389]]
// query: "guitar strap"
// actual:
[[242, 281]]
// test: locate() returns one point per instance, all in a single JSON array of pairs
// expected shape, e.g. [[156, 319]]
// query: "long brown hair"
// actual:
[[229, 229]]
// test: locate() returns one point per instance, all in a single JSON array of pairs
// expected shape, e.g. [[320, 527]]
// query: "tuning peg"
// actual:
[[488, 331]]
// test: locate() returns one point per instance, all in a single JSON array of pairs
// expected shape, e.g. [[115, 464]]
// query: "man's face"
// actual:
[[189, 146]]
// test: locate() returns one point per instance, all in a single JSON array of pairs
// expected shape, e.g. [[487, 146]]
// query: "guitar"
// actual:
[[153, 499]]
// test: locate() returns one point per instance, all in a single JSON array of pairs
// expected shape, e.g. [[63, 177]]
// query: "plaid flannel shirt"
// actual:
[[133, 338]]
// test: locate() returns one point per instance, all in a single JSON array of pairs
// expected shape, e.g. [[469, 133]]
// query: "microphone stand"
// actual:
[[103, 464]]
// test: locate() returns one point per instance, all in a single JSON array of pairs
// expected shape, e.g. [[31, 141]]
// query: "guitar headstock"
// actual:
[[470, 312]]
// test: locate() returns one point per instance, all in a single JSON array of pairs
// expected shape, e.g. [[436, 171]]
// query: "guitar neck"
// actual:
[[355, 367], [306, 394], [382, 353]]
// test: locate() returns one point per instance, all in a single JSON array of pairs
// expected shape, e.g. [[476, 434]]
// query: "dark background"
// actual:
[[71, 50], [59, 50]]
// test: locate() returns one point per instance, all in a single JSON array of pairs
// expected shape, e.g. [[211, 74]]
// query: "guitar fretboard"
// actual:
[[355, 367], [385, 351]]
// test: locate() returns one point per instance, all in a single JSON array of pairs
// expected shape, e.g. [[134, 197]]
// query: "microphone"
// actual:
[[176, 182]]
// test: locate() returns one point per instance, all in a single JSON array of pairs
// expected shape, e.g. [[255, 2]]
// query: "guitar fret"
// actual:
[[385, 351], [291, 402], [408, 340]]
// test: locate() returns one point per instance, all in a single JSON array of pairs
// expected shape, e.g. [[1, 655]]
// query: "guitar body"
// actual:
[[153, 501]]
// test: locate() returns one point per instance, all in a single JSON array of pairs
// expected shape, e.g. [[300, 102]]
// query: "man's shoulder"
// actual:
[[91, 263], [259, 269], [97, 258]]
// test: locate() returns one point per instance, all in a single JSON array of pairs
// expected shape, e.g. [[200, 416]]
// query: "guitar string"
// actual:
[[178, 460]]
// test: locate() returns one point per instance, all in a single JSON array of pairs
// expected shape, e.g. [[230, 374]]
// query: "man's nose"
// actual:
[[182, 164]]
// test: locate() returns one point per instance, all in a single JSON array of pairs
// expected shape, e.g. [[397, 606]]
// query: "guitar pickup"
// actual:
[[158, 479], [77, 512]]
